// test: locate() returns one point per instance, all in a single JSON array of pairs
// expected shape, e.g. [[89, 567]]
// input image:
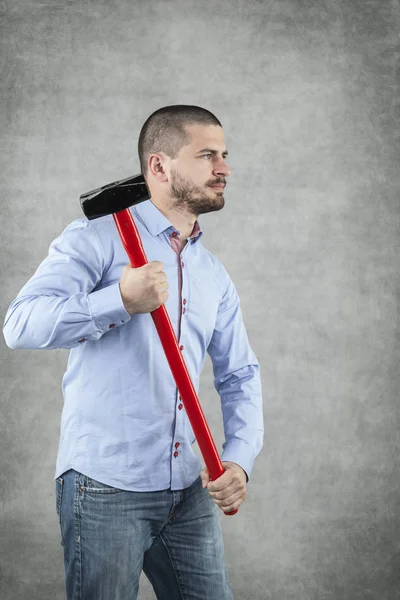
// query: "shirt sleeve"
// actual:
[[237, 381], [60, 307]]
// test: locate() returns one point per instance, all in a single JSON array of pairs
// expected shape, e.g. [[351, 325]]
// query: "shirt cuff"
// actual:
[[107, 308], [241, 453]]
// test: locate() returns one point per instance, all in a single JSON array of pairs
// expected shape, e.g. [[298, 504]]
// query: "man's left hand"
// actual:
[[229, 490]]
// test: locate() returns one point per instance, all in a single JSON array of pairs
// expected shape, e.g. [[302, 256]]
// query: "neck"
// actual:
[[181, 220]]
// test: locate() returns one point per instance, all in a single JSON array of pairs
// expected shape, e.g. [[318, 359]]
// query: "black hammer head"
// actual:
[[113, 197]]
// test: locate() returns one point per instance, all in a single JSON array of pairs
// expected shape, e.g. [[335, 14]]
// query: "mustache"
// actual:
[[221, 180]]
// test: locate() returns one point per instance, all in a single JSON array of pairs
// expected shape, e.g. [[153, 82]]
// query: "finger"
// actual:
[[225, 493], [232, 507], [205, 477], [221, 483], [158, 264], [235, 500], [236, 487]]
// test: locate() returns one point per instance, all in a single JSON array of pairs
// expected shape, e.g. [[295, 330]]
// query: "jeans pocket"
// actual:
[[59, 493], [97, 487]]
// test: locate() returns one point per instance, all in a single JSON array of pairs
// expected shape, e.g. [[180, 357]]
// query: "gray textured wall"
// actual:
[[308, 93]]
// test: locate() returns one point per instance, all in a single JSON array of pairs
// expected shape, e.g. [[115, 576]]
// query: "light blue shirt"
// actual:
[[123, 422]]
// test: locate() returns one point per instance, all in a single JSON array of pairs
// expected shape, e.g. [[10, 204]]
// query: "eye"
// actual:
[[207, 155]]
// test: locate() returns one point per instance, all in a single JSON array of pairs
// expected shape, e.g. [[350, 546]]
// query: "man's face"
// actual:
[[198, 174]]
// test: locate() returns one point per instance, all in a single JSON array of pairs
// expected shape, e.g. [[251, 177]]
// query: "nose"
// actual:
[[221, 168]]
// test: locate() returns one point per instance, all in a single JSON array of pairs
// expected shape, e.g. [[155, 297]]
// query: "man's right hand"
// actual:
[[143, 289]]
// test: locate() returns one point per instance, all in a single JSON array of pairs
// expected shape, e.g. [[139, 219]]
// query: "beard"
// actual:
[[193, 199]]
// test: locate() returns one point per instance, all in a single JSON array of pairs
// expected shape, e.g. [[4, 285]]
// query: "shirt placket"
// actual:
[[177, 445]]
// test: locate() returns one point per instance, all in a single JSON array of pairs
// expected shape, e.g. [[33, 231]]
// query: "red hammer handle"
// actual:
[[133, 245]]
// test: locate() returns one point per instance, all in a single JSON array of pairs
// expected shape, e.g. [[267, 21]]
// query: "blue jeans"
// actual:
[[110, 535]]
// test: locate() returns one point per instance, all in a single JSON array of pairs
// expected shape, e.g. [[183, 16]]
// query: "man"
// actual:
[[128, 490]]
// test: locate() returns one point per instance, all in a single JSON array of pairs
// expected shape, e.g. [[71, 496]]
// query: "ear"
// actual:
[[156, 166]]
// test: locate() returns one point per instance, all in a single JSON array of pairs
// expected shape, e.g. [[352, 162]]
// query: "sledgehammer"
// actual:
[[116, 198]]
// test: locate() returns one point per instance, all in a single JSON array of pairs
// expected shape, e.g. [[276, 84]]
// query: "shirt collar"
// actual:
[[156, 222]]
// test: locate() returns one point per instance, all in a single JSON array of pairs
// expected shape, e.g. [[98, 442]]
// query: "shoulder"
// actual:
[[83, 239], [92, 231], [83, 224]]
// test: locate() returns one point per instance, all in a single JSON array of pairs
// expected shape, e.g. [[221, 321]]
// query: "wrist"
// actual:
[[127, 305]]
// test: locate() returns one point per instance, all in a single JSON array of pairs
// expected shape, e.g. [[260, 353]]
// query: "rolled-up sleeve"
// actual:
[[60, 307], [237, 381]]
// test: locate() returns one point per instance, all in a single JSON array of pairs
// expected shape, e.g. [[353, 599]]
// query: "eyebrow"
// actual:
[[214, 152]]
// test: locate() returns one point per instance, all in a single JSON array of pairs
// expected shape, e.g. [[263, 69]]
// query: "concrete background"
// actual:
[[308, 93]]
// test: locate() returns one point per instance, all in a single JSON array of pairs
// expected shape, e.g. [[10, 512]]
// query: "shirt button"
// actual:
[[184, 301], [181, 347], [176, 454], [174, 234], [82, 340], [180, 406], [177, 445], [183, 264], [111, 326]]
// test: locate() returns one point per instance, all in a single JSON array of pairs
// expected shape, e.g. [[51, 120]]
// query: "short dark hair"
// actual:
[[164, 131]]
